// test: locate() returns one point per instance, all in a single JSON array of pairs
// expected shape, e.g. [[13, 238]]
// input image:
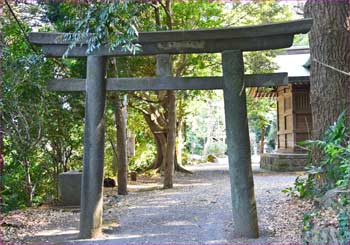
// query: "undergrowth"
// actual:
[[332, 171]]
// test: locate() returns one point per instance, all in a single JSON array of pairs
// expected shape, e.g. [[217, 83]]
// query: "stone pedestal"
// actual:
[[282, 162], [69, 188]]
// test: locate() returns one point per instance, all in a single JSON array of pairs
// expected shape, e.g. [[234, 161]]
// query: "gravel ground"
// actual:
[[196, 211]]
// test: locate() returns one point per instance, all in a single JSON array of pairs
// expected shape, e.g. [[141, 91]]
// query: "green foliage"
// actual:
[[206, 121], [114, 24], [201, 14], [262, 114], [42, 130], [272, 133], [23, 107], [145, 148], [258, 12], [217, 149], [260, 110], [307, 223], [143, 157], [53, 142], [301, 40], [344, 225], [303, 187], [334, 168], [317, 221]]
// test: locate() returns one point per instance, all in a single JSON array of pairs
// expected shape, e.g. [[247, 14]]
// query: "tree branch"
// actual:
[[182, 65], [144, 99], [166, 8]]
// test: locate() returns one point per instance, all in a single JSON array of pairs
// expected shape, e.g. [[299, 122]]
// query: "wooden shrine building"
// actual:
[[231, 43], [294, 121]]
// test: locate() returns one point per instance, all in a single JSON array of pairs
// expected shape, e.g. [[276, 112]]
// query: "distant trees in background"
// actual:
[[43, 131]]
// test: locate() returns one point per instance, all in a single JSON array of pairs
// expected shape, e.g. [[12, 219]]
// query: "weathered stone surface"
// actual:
[[247, 38], [92, 178], [131, 145], [284, 161], [238, 146], [325, 224], [171, 83], [252, 31], [69, 188], [326, 235], [331, 198]]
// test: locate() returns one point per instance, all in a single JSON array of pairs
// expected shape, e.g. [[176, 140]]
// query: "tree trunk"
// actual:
[[179, 167], [164, 69], [160, 139], [56, 174], [120, 121], [29, 184], [330, 44], [161, 143], [171, 141], [262, 140], [157, 162], [179, 143], [115, 161]]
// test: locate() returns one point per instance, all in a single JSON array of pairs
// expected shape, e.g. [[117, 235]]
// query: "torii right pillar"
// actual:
[[238, 143]]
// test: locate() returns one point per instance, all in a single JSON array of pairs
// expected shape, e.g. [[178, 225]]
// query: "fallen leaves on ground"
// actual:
[[280, 217]]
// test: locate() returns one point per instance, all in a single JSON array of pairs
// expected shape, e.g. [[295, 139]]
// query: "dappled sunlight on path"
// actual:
[[196, 210]]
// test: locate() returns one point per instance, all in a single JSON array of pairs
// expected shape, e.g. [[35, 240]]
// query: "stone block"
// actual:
[[283, 162], [69, 188]]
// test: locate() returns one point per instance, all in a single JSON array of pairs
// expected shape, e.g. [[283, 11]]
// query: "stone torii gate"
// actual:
[[231, 42]]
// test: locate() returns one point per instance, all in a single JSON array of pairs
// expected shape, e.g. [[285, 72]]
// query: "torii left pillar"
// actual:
[[91, 202]]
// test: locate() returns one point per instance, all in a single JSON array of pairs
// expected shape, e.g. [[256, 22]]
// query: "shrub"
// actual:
[[216, 149], [334, 168]]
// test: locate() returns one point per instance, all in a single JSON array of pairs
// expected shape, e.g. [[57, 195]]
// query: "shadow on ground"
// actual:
[[197, 211]]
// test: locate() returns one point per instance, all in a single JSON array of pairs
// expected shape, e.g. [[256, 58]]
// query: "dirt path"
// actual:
[[197, 210]]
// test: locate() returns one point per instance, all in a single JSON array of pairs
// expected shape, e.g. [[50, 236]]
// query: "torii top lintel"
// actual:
[[246, 38]]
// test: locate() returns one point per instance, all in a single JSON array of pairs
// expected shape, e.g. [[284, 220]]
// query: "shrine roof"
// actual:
[[293, 61]]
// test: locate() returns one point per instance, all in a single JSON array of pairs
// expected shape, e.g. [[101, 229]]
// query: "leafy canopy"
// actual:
[[114, 24]]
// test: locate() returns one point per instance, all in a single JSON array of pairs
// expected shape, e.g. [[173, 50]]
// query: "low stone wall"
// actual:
[[69, 187], [283, 161]]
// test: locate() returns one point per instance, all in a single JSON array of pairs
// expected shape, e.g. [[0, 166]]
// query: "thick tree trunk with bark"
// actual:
[[163, 124], [160, 139], [122, 158], [161, 142], [329, 45], [159, 157]]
